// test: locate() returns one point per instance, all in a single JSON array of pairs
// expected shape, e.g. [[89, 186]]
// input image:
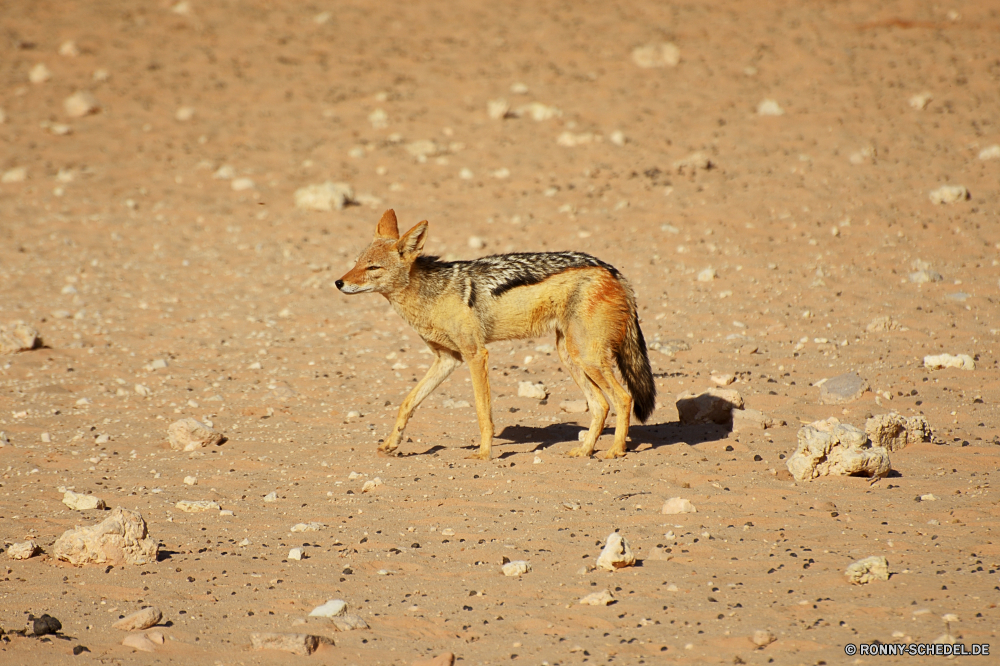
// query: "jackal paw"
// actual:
[[386, 452], [579, 452], [478, 455], [611, 454]]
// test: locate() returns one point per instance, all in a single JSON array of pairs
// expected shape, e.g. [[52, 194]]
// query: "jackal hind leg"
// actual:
[[595, 400], [623, 410], [444, 364]]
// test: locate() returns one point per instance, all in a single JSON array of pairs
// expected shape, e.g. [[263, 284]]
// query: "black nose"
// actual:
[[340, 284]]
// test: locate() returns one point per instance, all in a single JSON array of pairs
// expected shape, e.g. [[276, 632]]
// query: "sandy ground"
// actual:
[[124, 243]]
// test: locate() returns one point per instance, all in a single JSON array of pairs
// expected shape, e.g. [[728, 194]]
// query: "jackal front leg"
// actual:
[[479, 367], [444, 364]]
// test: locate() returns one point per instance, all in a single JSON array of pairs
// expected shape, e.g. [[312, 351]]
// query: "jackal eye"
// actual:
[[373, 268]]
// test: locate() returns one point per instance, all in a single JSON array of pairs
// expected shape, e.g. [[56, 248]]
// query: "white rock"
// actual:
[[324, 197], [616, 554], [947, 194], [571, 140], [80, 104], [143, 390], [300, 644], [865, 571], [190, 480], [516, 568], [242, 184], [184, 114], [307, 527], [197, 506], [81, 502], [762, 638], [574, 406], [745, 420], [529, 390], [271, 497], [22, 551], [602, 598], [39, 73], [920, 101], [961, 361], [538, 111], [829, 448], [424, 148], [349, 622], [331, 608], [692, 163], [139, 642], [224, 172], [296, 553], [18, 336], [498, 109], [617, 137], [895, 432], [139, 620], [723, 379], [371, 485], [664, 54], [476, 243], [770, 107], [121, 538], [14, 175], [189, 434], [69, 49], [676, 505], [929, 497], [990, 153], [379, 119], [707, 275]]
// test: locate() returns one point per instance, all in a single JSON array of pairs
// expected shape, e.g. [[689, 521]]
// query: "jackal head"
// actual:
[[384, 266]]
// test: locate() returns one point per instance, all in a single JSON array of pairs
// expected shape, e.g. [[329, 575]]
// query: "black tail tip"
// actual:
[[644, 406]]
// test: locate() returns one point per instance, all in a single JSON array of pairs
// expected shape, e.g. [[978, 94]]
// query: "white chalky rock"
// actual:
[[961, 361], [190, 480], [197, 506], [331, 608], [424, 148], [143, 390], [602, 598], [770, 107], [750, 419], [242, 184], [571, 140], [529, 390], [80, 104], [516, 568], [14, 175], [947, 194], [271, 497], [723, 379], [371, 485], [139, 620], [498, 109], [990, 153], [82, 502], [324, 197], [17, 337], [121, 538], [297, 553], [190, 434], [865, 571], [39, 73], [300, 644], [830, 448], [664, 54], [676, 505], [707, 275], [692, 163], [140, 642], [184, 114], [349, 622], [762, 638], [538, 111], [895, 432], [307, 527], [616, 554], [22, 551], [920, 100]]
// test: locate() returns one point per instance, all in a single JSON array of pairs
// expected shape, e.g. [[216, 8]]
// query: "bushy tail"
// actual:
[[633, 362]]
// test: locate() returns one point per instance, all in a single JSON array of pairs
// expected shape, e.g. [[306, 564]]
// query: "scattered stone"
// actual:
[[723, 379], [22, 551], [69, 49], [301, 644], [82, 502], [762, 638], [189, 434], [529, 390], [349, 622], [44, 625], [664, 54], [895, 432], [924, 276], [692, 163], [948, 194], [14, 175], [841, 389], [712, 406], [498, 109], [516, 568], [571, 140], [617, 554], [929, 497], [676, 505], [371, 485], [830, 448], [184, 114], [865, 571], [745, 420], [142, 391], [538, 111], [670, 347], [770, 107], [961, 361], [708, 275], [81, 103], [139, 620], [990, 153], [331, 608], [39, 73], [18, 337], [324, 197], [424, 148], [882, 325], [307, 527], [197, 506], [446, 659], [920, 101], [574, 406], [190, 480], [121, 538], [297, 553], [271, 496], [242, 184], [379, 119], [476, 243], [80, 649], [602, 598], [4, 441]]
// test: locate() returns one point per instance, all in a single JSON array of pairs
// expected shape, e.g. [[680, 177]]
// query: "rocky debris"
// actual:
[[929, 497], [529, 390], [895, 432], [81, 502], [331, 608], [39, 74], [22, 551], [574, 406], [841, 389], [4, 441], [830, 448], [962, 361], [424, 148], [242, 184], [924, 276], [139, 620], [882, 325], [617, 554], [990, 152], [297, 554], [516, 568], [190, 480], [602, 598], [14, 175], [43, 626], [920, 100], [190, 434], [349, 622], [670, 347], [18, 336], [712, 406], [197, 506], [707, 275], [324, 197], [572, 140], [121, 538], [537, 111], [770, 107], [676, 505], [865, 571], [751, 419], [663, 54], [498, 109], [184, 114], [948, 194], [307, 527], [693, 163], [301, 644], [371, 485], [445, 659], [78, 650], [271, 496], [80, 104], [140, 642], [762, 638], [723, 379]]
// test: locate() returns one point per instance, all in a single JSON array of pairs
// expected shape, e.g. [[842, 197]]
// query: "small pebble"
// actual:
[[297, 553], [530, 390], [184, 114], [770, 107], [948, 194], [197, 506], [516, 568], [665, 54], [242, 184], [80, 104], [762, 638], [602, 598], [39, 74], [677, 505]]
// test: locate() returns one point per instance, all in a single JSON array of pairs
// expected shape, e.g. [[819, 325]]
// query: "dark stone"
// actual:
[[46, 624]]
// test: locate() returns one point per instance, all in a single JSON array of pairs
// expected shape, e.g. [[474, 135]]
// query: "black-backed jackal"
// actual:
[[458, 307]]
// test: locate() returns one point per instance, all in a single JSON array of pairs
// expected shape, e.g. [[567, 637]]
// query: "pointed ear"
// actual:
[[387, 226], [412, 241]]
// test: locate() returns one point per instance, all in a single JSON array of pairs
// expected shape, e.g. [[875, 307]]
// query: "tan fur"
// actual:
[[591, 310]]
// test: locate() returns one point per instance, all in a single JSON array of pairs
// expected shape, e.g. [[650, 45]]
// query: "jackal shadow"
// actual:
[[654, 434]]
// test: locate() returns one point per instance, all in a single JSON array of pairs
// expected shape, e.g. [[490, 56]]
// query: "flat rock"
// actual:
[[670, 347], [121, 538], [961, 361], [17, 337], [882, 325], [712, 406], [81, 502], [307, 527], [297, 553], [331, 608], [661, 54], [841, 389], [349, 622], [895, 432], [324, 197], [22, 551], [530, 390], [602, 598], [948, 194], [190, 434], [80, 104], [750, 419], [197, 506], [139, 620], [676, 505], [925, 275], [516, 568], [617, 553], [830, 448], [574, 406], [865, 571], [301, 644]]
